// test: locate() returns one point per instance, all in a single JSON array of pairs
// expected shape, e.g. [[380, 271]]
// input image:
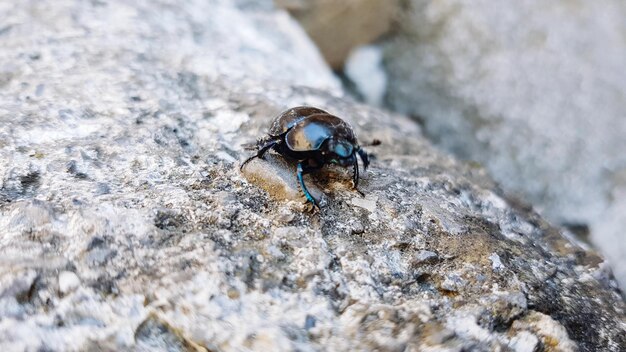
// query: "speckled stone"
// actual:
[[121, 129]]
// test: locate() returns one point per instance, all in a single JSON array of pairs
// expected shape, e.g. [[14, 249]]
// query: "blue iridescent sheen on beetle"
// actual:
[[313, 138]]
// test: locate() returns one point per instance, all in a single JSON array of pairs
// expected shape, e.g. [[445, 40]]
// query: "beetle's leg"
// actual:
[[267, 146], [364, 158], [355, 177], [301, 172]]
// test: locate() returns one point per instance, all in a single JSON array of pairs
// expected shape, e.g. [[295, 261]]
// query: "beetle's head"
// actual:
[[340, 151]]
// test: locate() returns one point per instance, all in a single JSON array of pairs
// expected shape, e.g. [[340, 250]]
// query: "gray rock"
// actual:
[[185, 252], [536, 92]]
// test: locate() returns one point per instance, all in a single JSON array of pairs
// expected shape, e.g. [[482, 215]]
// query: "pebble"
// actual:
[[365, 203], [426, 257], [496, 263], [453, 282], [68, 282]]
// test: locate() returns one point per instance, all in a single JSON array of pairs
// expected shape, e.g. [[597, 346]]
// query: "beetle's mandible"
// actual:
[[313, 138]]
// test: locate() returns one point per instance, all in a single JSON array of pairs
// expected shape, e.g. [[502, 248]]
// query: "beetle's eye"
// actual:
[[343, 150]]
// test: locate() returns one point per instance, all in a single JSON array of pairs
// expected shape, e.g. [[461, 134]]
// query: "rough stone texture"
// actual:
[[121, 129], [337, 27], [534, 90]]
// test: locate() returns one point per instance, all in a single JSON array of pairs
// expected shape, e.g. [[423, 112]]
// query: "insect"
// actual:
[[313, 138]]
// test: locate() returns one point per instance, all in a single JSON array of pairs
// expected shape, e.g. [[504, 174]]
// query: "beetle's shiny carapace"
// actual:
[[313, 138]]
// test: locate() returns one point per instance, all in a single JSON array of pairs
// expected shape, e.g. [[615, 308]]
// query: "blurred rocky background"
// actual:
[[534, 91], [125, 223]]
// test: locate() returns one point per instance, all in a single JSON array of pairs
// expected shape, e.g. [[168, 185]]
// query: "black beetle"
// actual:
[[313, 138]]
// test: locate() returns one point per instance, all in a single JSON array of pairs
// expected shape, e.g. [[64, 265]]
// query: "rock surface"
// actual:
[[125, 223], [534, 91]]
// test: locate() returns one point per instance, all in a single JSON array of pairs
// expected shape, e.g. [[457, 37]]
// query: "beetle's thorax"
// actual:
[[314, 131]]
